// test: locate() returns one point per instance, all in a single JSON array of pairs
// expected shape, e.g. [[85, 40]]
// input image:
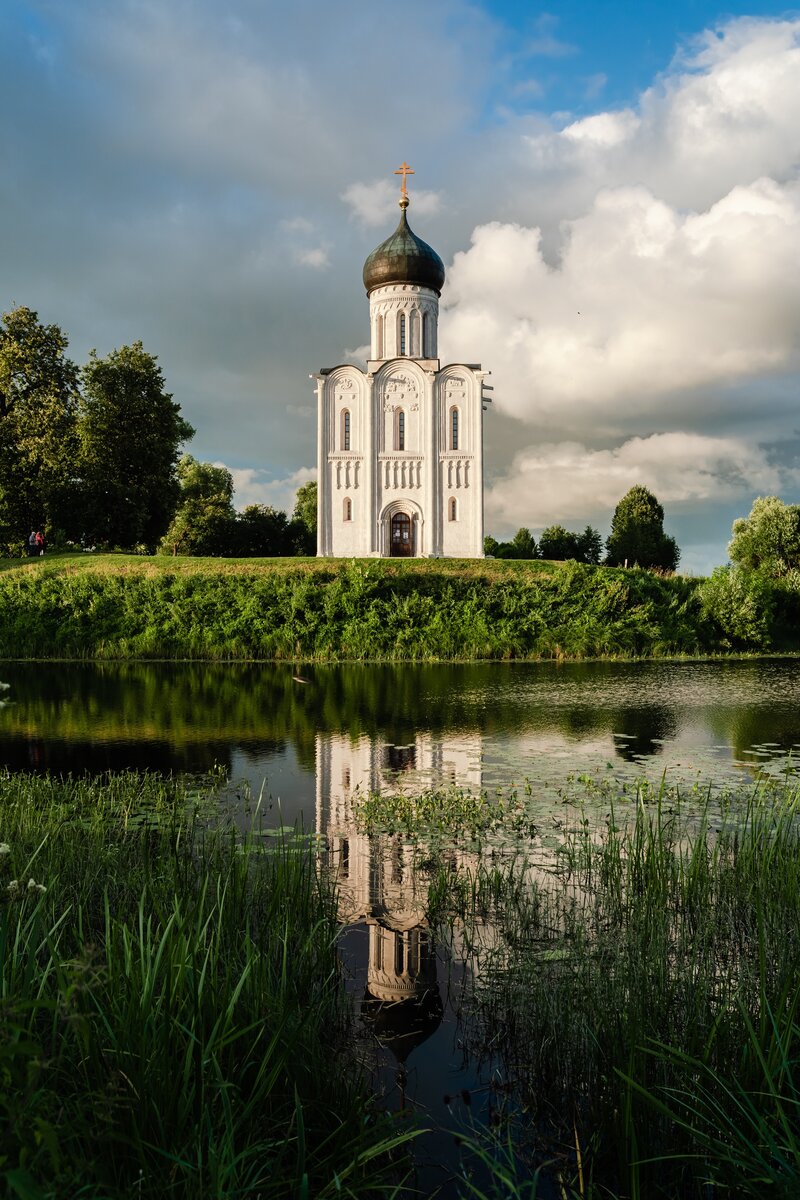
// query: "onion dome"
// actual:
[[404, 258]]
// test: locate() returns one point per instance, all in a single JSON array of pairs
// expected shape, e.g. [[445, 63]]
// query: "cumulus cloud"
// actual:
[[568, 481], [646, 303], [252, 486], [376, 203]]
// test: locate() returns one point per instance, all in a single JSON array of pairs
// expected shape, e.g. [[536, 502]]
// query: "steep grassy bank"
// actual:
[[123, 607], [173, 1018]]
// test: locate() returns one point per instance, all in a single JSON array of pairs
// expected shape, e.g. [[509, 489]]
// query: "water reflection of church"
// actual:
[[377, 877]]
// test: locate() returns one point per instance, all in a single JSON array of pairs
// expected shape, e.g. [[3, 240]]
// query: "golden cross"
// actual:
[[404, 170]]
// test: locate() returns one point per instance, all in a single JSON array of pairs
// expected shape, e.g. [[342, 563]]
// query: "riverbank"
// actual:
[[174, 1021], [312, 610]]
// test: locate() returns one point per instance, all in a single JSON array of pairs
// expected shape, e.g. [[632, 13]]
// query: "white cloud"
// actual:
[[318, 258], [376, 203], [604, 129], [251, 486], [647, 305], [569, 481]]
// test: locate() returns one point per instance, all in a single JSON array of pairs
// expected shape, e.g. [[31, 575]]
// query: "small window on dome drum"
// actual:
[[426, 335], [402, 334]]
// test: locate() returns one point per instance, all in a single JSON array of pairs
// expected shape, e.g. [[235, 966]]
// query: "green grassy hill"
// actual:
[[124, 606]]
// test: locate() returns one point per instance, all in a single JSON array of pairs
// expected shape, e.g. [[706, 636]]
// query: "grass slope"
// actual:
[[118, 607]]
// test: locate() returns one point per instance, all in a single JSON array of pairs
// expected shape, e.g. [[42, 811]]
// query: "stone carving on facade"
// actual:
[[400, 389]]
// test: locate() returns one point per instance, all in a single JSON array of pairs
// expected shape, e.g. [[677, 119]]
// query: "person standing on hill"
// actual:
[[32, 544], [39, 542]]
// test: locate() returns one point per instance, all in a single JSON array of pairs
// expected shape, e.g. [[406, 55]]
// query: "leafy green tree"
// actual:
[[768, 539], [304, 519], [558, 543], [130, 430], [590, 546], [742, 604], [523, 544], [264, 532], [637, 533], [38, 443], [204, 522]]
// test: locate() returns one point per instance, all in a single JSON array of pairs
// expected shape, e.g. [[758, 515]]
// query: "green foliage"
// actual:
[[174, 1022], [204, 518], [339, 611], [768, 540], [304, 519], [130, 432], [557, 544], [637, 533], [38, 440], [522, 546], [741, 604]]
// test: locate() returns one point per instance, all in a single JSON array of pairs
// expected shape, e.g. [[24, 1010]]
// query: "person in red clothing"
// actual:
[[39, 543]]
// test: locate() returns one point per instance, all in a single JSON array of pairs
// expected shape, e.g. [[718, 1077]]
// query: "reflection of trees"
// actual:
[[260, 707], [643, 730]]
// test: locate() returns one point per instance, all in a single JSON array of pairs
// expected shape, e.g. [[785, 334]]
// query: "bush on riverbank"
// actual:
[[327, 610], [173, 1019]]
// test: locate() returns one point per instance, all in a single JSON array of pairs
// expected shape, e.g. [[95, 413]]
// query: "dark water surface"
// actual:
[[308, 741]]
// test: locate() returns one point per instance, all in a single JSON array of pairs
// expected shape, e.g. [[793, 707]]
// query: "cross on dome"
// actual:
[[404, 169]]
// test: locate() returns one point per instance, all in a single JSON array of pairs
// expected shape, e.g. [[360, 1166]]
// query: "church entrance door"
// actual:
[[402, 542]]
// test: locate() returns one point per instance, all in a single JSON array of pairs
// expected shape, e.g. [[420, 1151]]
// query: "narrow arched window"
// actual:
[[413, 325], [402, 329], [453, 428], [346, 429], [379, 336], [426, 335], [401, 430], [347, 513], [453, 509]]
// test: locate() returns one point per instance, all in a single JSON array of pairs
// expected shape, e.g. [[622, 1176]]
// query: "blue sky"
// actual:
[[613, 188]]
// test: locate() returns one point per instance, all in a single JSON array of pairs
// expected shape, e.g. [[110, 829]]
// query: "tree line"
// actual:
[[637, 538], [91, 455]]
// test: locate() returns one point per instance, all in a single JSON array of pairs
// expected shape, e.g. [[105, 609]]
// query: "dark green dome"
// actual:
[[404, 258]]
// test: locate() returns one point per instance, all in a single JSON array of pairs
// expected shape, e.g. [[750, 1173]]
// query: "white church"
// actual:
[[400, 445]]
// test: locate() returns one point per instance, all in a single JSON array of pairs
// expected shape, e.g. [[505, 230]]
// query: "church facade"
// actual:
[[400, 444]]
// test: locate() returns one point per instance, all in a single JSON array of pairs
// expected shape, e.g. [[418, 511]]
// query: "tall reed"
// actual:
[[173, 1020], [640, 995]]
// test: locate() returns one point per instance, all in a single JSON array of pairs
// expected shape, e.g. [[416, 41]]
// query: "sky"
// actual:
[[614, 189]]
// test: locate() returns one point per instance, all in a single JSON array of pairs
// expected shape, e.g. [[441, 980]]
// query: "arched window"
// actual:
[[400, 436], [346, 429], [453, 508], [379, 336], [426, 335], [347, 513], [402, 332], [413, 326], [453, 428]]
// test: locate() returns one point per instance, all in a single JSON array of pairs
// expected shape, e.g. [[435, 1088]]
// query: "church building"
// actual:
[[400, 445]]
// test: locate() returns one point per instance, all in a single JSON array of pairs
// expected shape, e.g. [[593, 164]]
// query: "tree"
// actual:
[[264, 532], [523, 544], [38, 444], [769, 539], [130, 431], [558, 543], [304, 519], [204, 522], [637, 533], [590, 546]]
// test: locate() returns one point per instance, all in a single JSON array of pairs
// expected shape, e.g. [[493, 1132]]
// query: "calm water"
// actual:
[[307, 742]]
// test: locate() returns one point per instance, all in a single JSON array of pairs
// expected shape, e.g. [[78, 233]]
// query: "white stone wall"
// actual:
[[419, 305]]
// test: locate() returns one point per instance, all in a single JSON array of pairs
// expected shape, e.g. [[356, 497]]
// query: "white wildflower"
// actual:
[[4, 848]]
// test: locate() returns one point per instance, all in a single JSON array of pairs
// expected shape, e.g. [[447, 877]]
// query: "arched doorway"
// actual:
[[402, 536]]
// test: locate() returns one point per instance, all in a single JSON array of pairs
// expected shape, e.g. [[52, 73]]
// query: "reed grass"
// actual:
[[640, 996], [173, 1022]]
